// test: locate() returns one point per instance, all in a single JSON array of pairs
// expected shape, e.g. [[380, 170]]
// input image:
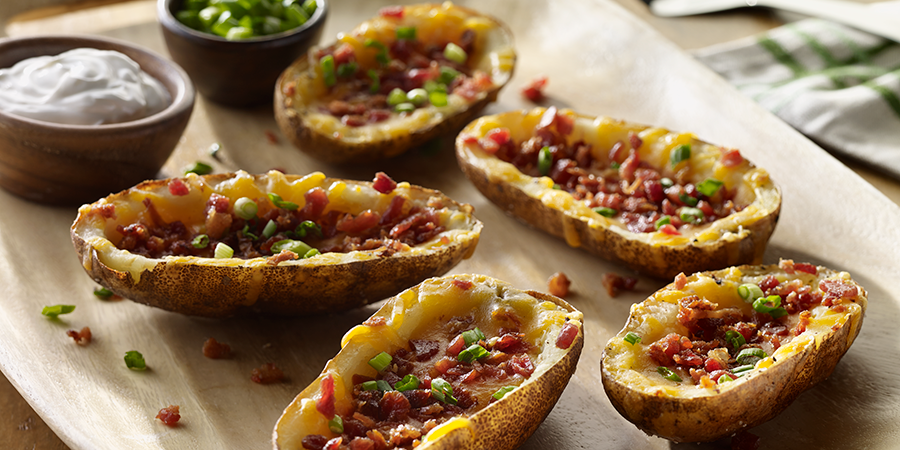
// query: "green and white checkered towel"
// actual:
[[837, 85]]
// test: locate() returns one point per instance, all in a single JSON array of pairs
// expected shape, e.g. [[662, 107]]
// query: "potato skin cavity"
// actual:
[[687, 412], [737, 239], [300, 94], [503, 424], [225, 287]]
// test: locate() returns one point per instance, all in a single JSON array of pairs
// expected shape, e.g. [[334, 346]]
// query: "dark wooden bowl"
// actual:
[[72, 164], [236, 73]]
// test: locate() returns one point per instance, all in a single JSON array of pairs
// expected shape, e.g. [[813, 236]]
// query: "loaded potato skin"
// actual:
[[340, 271], [677, 374], [620, 191]]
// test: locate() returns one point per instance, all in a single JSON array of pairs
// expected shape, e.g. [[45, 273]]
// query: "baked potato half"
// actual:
[[395, 81], [656, 201], [218, 245], [719, 352], [460, 362]]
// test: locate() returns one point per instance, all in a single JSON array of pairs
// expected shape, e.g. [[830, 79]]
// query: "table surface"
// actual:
[[24, 429]]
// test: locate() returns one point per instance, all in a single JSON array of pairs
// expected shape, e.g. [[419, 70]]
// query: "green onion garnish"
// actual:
[[408, 383], [605, 212], [300, 248], [279, 203], [688, 200], [134, 360], [312, 252], [761, 305], [381, 361], [306, 226], [680, 153], [442, 390], [376, 82], [437, 98], [448, 74], [455, 53], [664, 220], [246, 232], [749, 292], [432, 86], [502, 392], [405, 107], [327, 65], [750, 356], [668, 374], [103, 293], [381, 57], [417, 96], [370, 385], [309, 6], [735, 339], [724, 379], [336, 425], [200, 241], [614, 165], [383, 386], [245, 208], [545, 160], [55, 310], [472, 336], [557, 186], [347, 69], [474, 352], [223, 251], [691, 215], [270, 229], [632, 338], [396, 97], [406, 33], [742, 370], [199, 168], [666, 182], [709, 186]]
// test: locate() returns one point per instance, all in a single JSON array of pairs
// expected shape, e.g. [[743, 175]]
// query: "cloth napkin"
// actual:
[[835, 84]]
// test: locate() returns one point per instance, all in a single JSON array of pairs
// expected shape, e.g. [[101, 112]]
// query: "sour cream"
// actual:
[[84, 86]]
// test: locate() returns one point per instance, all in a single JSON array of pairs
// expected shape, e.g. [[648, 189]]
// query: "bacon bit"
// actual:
[[806, 268], [107, 211], [787, 265], [169, 415], [325, 402], [635, 140], [378, 438], [567, 335], [391, 11], [521, 364], [268, 373], [365, 220], [446, 363], [664, 350], [745, 441], [271, 137], [424, 348], [768, 283], [712, 365], [361, 443], [615, 283], [558, 284], [178, 188], [680, 281], [333, 444], [316, 201], [456, 345], [534, 90], [314, 442], [468, 139], [731, 157], [375, 321], [669, 229], [284, 255], [214, 349], [383, 183], [82, 337], [837, 289], [463, 284], [802, 323], [706, 382], [290, 89]]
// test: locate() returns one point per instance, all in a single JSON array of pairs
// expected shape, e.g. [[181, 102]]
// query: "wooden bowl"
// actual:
[[236, 73], [71, 164]]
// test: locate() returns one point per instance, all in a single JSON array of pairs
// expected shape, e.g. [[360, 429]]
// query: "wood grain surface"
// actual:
[[603, 57]]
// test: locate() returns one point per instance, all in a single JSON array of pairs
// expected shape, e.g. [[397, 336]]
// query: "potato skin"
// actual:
[[658, 260], [200, 288], [291, 114], [721, 414]]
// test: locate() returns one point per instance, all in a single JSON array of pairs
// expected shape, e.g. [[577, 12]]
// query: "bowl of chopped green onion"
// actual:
[[234, 50]]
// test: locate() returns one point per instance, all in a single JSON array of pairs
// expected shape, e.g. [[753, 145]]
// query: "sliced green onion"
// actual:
[[245, 208], [408, 383], [199, 168], [347, 69], [614, 165], [103, 293], [442, 390], [688, 200], [503, 391], [309, 6], [406, 33], [370, 385], [417, 96], [238, 33], [383, 386], [432, 86], [742, 370], [381, 57], [396, 97], [474, 352], [545, 160], [750, 356], [761, 305], [709, 186], [381, 361], [376, 82], [223, 251], [295, 15], [735, 339], [632, 338], [668, 374], [279, 203], [270, 229], [691, 215], [664, 220], [306, 226], [336, 425], [724, 379], [200, 241], [680, 153], [134, 360], [455, 53], [605, 212], [557, 187], [312, 252], [448, 74], [666, 182], [438, 98], [749, 292], [55, 310], [472, 336], [327, 65], [300, 248], [405, 107], [246, 232]]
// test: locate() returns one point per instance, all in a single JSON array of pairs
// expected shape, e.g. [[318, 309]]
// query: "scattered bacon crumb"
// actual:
[[383, 183], [680, 281], [214, 349], [567, 335], [169, 415], [669, 229], [731, 157], [615, 283], [375, 321], [107, 211], [82, 337], [284, 255], [462, 284], [325, 402], [787, 265], [271, 137], [534, 90], [391, 11], [744, 441], [266, 374], [178, 188], [558, 284]]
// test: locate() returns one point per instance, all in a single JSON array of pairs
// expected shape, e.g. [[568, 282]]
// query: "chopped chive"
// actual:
[[300, 248], [473, 353], [370, 385], [448, 74], [407, 33], [557, 187], [246, 232], [455, 53], [417, 96], [327, 65], [438, 98], [381, 57], [742, 370], [502, 392], [443, 391], [735, 339], [245, 208], [200, 241], [396, 97], [761, 305], [279, 203], [376, 82], [55, 310], [472, 336], [680, 153], [405, 107], [309, 6], [408, 383], [312, 252], [380, 361], [665, 220], [749, 292], [200, 168], [666, 182], [347, 69], [336, 424], [750, 356], [545, 160], [691, 215], [306, 226], [724, 379], [383, 386], [223, 251], [605, 212], [614, 165], [433, 86], [103, 293], [688, 200], [709, 186], [134, 360], [270, 229], [632, 338], [668, 374]]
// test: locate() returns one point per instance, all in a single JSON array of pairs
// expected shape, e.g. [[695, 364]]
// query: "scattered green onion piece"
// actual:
[[103, 293], [381, 57], [474, 352], [557, 187], [309, 6], [408, 383], [214, 150], [191, 19], [455, 53], [408, 33], [306, 226], [545, 160], [300, 248], [688, 200], [200, 241], [665, 220], [724, 379], [55, 310], [750, 356], [270, 229], [405, 107], [279, 203], [336, 424], [691, 215], [376, 82], [199, 168], [448, 74], [347, 69], [709, 186], [761, 305], [327, 65], [742, 370], [668, 374], [238, 33], [134, 360], [432, 86], [749, 292], [245, 208], [396, 97], [472, 336], [246, 232], [383, 386], [442, 390], [666, 182], [417, 96], [312, 252], [605, 212], [632, 338], [614, 165], [735, 339], [370, 385], [680, 153], [502, 392], [225, 22], [295, 15], [438, 98], [223, 251], [381, 361]]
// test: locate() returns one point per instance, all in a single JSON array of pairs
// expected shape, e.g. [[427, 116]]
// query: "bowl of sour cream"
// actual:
[[81, 117]]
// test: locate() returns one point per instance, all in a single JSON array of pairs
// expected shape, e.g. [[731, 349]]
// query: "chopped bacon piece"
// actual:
[[511, 343], [343, 54], [364, 221], [178, 188], [214, 349], [266, 374], [456, 345], [271, 137], [635, 140], [107, 210], [680, 281], [82, 337], [375, 321], [802, 323], [463, 284], [663, 350], [534, 90], [391, 11], [169, 415], [316, 201], [806, 268], [567, 335], [383, 183], [424, 348], [521, 364], [282, 256], [787, 265], [768, 283], [325, 402], [712, 365], [731, 157], [837, 289], [444, 364], [498, 135], [333, 444], [314, 442], [615, 283], [468, 138], [362, 443], [395, 405], [558, 284], [669, 229]]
